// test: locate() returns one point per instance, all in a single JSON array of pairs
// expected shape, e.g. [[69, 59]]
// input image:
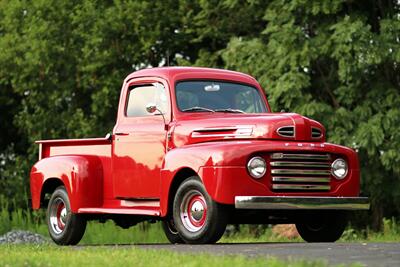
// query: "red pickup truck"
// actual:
[[198, 148]]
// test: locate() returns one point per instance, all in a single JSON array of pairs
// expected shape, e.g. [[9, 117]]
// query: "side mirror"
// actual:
[[108, 136], [151, 108]]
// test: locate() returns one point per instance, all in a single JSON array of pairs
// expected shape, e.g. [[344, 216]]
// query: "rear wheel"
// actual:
[[65, 227], [324, 227], [198, 219]]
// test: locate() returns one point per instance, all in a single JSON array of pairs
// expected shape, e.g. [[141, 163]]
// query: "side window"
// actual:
[[139, 97]]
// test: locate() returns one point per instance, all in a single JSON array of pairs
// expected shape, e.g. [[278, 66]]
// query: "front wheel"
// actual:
[[198, 219], [65, 227], [323, 227], [170, 231]]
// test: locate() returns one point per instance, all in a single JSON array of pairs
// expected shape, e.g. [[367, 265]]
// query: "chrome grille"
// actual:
[[286, 131], [316, 133], [300, 172]]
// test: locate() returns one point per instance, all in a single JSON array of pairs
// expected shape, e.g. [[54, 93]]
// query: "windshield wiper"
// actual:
[[229, 110], [201, 109]]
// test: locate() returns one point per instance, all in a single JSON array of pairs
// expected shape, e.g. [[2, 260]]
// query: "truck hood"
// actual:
[[221, 126]]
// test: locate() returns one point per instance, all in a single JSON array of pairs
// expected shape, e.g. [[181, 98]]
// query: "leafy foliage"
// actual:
[[336, 62], [62, 63]]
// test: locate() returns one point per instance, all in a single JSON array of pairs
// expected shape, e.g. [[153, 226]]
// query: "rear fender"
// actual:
[[82, 176]]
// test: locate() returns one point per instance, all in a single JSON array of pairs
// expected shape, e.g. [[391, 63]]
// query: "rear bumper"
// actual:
[[302, 203]]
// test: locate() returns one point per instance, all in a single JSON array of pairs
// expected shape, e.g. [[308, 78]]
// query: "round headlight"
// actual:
[[339, 168], [257, 167]]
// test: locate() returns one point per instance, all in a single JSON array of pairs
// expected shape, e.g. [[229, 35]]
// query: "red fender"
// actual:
[[222, 168], [82, 177]]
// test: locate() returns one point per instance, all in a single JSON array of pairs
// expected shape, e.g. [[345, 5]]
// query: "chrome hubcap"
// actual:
[[63, 215], [58, 216], [197, 210], [193, 211]]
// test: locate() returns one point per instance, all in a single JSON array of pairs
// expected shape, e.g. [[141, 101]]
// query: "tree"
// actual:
[[62, 63], [337, 62], [61, 68]]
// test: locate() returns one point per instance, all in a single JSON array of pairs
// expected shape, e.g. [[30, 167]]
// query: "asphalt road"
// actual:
[[368, 254]]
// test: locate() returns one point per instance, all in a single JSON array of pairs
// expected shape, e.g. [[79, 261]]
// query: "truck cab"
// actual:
[[198, 148]]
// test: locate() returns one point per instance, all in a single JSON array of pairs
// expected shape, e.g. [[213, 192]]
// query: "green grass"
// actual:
[[96, 233], [390, 233], [50, 255], [108, 233], [248, 235]]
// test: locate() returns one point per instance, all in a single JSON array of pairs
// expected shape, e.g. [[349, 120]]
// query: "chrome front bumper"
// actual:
[[302, 203]]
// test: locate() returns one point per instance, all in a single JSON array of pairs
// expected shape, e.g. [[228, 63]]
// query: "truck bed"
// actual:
[[99, 147], [87, 146]]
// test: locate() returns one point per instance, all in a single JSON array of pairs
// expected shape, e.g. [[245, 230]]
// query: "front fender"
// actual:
[[194, 157], [82, 176], [222, 168]]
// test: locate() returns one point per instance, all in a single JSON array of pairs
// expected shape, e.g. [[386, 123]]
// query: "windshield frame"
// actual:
[[259, 90]]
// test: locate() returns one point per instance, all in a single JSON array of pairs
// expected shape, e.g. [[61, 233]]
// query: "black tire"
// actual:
[[206, 221], [322, 227], [65, 227], [170, 231]]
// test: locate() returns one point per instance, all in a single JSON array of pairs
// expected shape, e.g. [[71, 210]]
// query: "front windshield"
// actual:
[[215, 96]]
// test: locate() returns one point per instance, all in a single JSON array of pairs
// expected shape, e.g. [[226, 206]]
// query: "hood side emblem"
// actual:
[[234, 131]]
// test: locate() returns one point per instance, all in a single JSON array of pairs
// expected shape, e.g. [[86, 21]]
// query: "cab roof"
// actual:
[[174, 74]]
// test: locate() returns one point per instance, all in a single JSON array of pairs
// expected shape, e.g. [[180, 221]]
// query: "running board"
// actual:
[[150, 211], [129, 207]]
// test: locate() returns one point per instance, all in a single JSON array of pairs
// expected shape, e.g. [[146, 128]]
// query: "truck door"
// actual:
[[139, 140]]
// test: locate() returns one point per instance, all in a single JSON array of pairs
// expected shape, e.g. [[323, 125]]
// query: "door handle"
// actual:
[[122, 134]]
